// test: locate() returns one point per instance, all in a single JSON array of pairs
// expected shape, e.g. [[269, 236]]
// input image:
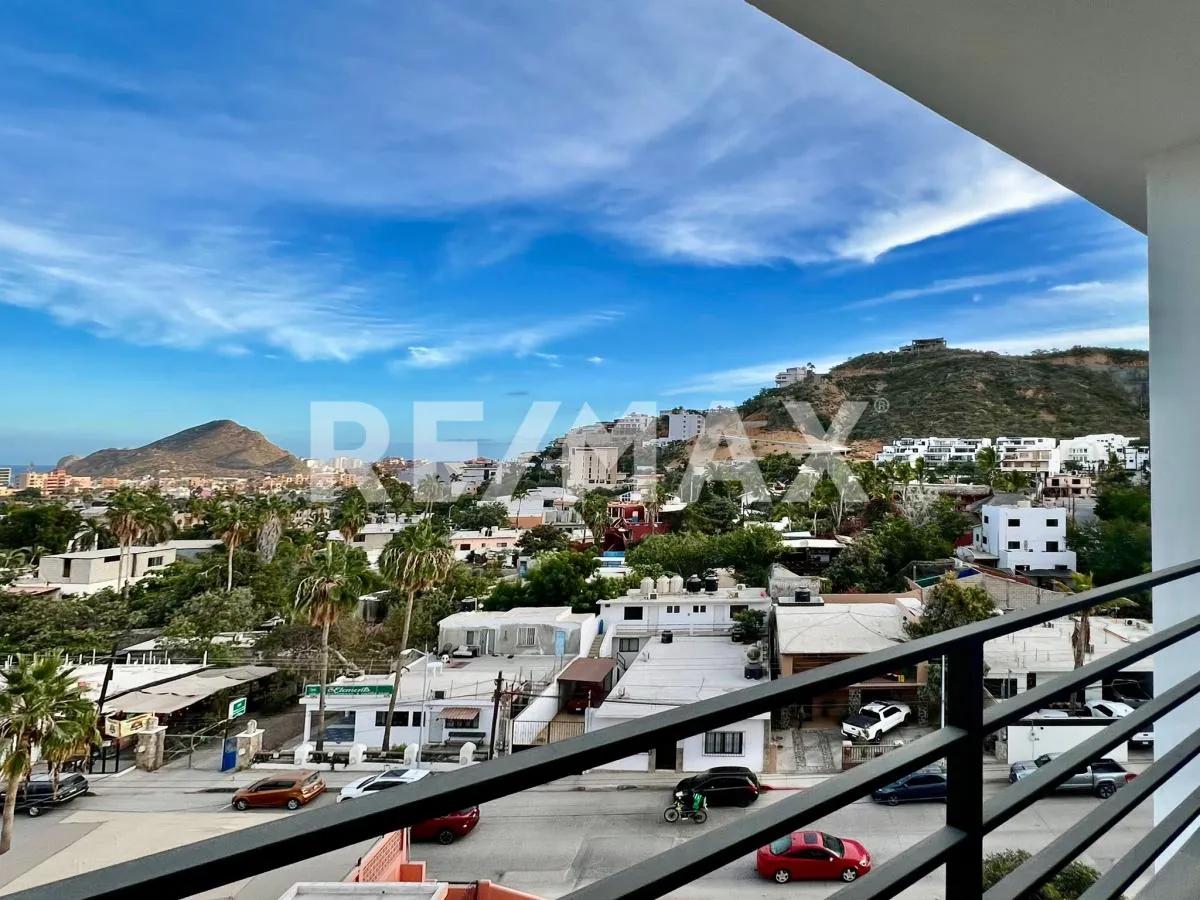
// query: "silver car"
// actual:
[[1102, 777]]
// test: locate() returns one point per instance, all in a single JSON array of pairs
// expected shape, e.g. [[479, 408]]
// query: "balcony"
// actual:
[[958, 845]]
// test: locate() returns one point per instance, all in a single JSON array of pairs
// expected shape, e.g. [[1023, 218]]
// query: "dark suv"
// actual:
[[724, 786], [37, 794]]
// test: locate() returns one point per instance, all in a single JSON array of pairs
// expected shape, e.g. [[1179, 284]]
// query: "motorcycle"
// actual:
[[680, 810]]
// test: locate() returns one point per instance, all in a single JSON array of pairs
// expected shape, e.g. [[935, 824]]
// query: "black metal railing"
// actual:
[[958, 845]]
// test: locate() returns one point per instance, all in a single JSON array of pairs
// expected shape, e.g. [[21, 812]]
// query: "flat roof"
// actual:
[[518, 615], [664, 676], [183, 692], [726, 595], [1047, 648], [839, 627], [110, 551]]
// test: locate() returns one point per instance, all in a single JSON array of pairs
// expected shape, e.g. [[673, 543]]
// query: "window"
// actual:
[[985, 520], [339, 726], [735, 608], [672, 607], [633, 614], [526, 637], [359, 538], [66, 568], [1051, 546], [1052, 523], [1014, 545], [723, 743], [116, 558], [154, 561], [399, 718], [416, 719], [627, 645], [470, 638], [1014, 523], [464, 546], [700, 607]]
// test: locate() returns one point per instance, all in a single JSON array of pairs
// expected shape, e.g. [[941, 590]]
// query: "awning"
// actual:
[[460, 713], [588, 671], [172, 696]]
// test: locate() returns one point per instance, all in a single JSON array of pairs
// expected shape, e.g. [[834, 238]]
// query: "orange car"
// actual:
[[290, 789]]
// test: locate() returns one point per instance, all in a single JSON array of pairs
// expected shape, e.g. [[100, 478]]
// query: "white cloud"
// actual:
[[596, 360], [955, 285]]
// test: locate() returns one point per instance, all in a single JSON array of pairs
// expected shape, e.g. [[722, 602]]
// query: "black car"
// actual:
[[927, 784], [37, 794], [724, 786]]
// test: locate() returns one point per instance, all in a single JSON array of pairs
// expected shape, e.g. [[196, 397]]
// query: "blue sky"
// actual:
[[230, 210]]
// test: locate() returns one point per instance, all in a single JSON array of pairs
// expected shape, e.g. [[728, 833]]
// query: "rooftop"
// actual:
[[1047, 648], [843, 628], [518, 615], [668, 675], [110, 551], [729, 595]]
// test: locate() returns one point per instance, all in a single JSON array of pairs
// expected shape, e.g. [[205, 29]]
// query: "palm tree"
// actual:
[[520, 493], [656, 498], [41, 706], [594, 510], [329, 586], [429, 491], [352, 513], [93, 534], [273, 514], [135, 516], [234, 523], [415, 560]]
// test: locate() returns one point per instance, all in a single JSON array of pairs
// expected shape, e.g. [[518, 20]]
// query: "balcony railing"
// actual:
[[958, 845]]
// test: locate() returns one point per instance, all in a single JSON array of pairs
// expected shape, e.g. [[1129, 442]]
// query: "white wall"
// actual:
[[1031, 741], [533, 718], [753, 746], [638, 762]]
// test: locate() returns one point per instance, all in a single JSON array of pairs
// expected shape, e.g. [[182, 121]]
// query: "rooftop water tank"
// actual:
[[694, 584], [663, 585], [647, 586], [676, 584], [710, 582]]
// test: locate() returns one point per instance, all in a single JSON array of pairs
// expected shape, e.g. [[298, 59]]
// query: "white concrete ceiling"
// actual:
[[1085, 91]]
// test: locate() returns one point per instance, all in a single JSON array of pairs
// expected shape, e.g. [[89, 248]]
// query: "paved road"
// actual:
[[547, 841]]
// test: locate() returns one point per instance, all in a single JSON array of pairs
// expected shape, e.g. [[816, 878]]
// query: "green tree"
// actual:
[[351, 513], [274, 514], [330, 586], [1123, 501], [1070, 883], [93, 534], [987, 466], [235, 522], [415, 560], [543, 539], [680, 553], [41, 703], [137, 517], [48, 525], [593, 508], [202, 617], [750, 551], [949, 604], [521, 493], [475, 516], [75, 624]]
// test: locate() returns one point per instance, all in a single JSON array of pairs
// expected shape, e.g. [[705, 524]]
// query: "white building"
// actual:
[[552, 631], [791, 375], [1024, 538], [451, 702], [1134, 458], [636, 423], [88, 571], [1091, 450], [683, 426], [592, 467], [630, 622], [5, 476], [934, 450], [684, 670], [372, 537]]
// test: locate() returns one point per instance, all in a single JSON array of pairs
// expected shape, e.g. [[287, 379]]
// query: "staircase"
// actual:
[[594, 650]]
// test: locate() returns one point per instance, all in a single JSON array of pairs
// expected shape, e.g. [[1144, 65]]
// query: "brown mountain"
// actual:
[[219, 449], [1085, 390]]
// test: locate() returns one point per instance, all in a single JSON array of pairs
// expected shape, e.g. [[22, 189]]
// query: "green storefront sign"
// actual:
[[349, 690]]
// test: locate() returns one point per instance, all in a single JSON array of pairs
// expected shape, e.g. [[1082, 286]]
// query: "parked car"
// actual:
[[925, 784], [1130, 692], [37, 794], [723, 786], [381, 781], [1102, 777], [1143, 738], [811, 856], [875, 719], [1107, 709], [444, 829], [289, 789]]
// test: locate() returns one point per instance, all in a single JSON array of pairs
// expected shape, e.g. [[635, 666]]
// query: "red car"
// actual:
[[813, 855], [445, 829]]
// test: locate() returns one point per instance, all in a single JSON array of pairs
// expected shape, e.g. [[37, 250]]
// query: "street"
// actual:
[[547, 841]]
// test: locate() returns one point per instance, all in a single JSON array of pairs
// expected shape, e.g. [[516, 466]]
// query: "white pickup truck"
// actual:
[[874, 720]]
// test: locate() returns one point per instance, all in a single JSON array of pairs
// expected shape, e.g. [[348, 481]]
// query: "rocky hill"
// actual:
[[952, 392], [218, 449]]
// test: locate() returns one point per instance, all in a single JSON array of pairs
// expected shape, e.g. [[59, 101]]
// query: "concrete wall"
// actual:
[[1031, 741], [533, 718]]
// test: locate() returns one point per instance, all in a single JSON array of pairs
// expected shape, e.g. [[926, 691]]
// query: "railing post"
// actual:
[[962, 684]]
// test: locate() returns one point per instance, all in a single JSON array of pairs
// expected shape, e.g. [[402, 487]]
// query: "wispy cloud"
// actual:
[[961, 284], [596, 360], [519, 342], [759, 375]]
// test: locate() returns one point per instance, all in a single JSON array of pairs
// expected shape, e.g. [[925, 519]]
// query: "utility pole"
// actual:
[[495, 714]]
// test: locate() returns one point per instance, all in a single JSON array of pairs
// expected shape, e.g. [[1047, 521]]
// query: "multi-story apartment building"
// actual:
[[1092, 450], [1134, 458], [934, 450], [5, 476], [592, 467], [683, 426], [636, 423], [791, 375]]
